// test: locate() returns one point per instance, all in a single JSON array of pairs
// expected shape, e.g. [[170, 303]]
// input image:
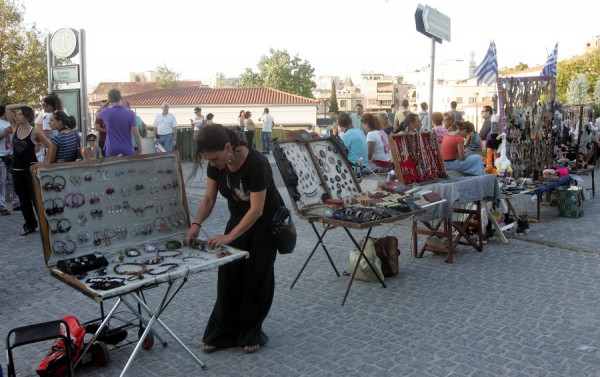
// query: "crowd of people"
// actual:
[[365, 136]]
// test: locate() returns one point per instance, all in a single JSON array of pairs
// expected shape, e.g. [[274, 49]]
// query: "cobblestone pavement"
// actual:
[[526, 308]]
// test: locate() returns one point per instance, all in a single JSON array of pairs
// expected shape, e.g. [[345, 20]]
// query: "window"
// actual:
[[343, 103]]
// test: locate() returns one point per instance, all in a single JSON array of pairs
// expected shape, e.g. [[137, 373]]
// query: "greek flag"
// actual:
[[487, 70], [550, 67]]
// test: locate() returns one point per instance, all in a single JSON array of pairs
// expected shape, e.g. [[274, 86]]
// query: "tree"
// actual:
[[597, 95], [23, 62], [589, 65], [578, 90], [282, 72], [518, 68], [333, 107], [166, 78]]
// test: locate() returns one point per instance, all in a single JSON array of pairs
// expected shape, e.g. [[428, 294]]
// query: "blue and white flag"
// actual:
[[550, 67], [487, 70]]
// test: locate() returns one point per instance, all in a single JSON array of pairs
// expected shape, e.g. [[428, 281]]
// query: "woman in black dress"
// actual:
[[25, 136], [245, 288]]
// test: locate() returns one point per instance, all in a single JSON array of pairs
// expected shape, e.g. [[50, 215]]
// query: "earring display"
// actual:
[[322, 170], [118, 223]]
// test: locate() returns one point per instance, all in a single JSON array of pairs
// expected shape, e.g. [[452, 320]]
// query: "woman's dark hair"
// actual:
[[28, 113], [90, 137], [371, 121], [213, 138], [67, 120], [344, 120], [247, 114], [53, 101]]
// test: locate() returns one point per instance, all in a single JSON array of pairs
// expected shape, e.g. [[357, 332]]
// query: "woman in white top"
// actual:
[[199, 121], [377, 144]]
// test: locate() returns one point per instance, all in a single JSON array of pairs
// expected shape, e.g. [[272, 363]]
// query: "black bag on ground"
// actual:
[[284, 230], [388, 252]]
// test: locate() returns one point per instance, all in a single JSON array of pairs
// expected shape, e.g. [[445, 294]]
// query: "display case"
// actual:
[[417, 157], [114, 225]]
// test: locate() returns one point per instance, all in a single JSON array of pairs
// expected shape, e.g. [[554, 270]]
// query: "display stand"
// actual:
[[316, 172], [525, 116], [114, 228], [417, 157]]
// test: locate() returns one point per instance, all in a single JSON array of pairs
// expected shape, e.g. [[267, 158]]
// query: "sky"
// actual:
[[337, 37]]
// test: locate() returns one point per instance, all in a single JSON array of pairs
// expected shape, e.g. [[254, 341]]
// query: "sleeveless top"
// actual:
[[23, 151]]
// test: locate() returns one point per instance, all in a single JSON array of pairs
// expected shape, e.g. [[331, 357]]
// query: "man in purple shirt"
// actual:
[[120, 125]]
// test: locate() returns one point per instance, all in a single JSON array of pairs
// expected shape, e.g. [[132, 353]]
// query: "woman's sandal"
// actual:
[[27, 231], [251, 349], [209, 348]]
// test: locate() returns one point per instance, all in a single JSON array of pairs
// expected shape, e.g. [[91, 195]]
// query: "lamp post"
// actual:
[[476, 113]]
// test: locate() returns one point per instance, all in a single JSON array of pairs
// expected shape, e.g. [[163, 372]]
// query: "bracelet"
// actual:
[[199, 226], [173, 245], [171, 267], [139, 270]]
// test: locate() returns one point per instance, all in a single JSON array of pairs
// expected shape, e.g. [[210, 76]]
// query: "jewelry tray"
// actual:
[[105, 207], [323, 171]]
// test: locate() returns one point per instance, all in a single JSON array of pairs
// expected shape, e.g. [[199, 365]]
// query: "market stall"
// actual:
[[324, 189], [114, 228]]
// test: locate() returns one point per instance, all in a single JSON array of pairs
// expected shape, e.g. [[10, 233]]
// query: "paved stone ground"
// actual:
[[526, 308]]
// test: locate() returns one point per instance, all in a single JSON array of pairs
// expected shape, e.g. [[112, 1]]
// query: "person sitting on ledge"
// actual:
[[453, 152]]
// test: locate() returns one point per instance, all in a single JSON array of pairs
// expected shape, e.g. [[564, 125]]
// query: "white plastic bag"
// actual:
[[364, 272], [159, 148]]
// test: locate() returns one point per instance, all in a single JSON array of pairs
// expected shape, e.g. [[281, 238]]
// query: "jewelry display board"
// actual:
[[417, 157], [323, 171], [113, 225], [525, 110]]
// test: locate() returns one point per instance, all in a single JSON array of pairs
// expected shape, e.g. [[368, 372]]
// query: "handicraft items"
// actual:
[[417, 157]]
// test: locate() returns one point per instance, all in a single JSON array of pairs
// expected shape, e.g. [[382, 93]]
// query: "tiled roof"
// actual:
[[210, 96], [137, 87]]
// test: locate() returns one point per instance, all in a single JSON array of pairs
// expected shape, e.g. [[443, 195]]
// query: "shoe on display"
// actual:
[[4, 212]]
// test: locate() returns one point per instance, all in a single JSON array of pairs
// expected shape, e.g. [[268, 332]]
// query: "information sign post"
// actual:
[[436, 26]]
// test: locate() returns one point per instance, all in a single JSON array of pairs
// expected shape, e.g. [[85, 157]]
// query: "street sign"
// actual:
[[432, 23], [436, 23], [65, 74]]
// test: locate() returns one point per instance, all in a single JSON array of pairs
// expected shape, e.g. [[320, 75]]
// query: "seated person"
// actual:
[[411, 123], [355, 140], [453, 153], [473, 142], [378, 145], [91, 151], [440, 130]]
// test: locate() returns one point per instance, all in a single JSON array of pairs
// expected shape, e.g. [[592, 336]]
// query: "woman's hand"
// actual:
[[191, 235], [216, 241]]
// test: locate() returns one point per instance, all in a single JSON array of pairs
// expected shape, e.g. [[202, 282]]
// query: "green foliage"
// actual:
[[597, 94], [333, 107], [282, 72], [23, 63], [166, 78], [509, 71], [589, 65]]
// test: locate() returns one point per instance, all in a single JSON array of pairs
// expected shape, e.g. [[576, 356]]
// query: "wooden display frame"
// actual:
[[323, 171], [116, 204], [417, 157]]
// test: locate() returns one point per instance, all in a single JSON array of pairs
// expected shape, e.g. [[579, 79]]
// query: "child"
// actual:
[[91, 151]]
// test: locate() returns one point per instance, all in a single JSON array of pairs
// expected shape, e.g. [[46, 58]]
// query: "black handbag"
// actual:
[[284, 230]]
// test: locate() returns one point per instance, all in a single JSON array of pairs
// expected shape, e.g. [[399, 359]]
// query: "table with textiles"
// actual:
[[440, 221]]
